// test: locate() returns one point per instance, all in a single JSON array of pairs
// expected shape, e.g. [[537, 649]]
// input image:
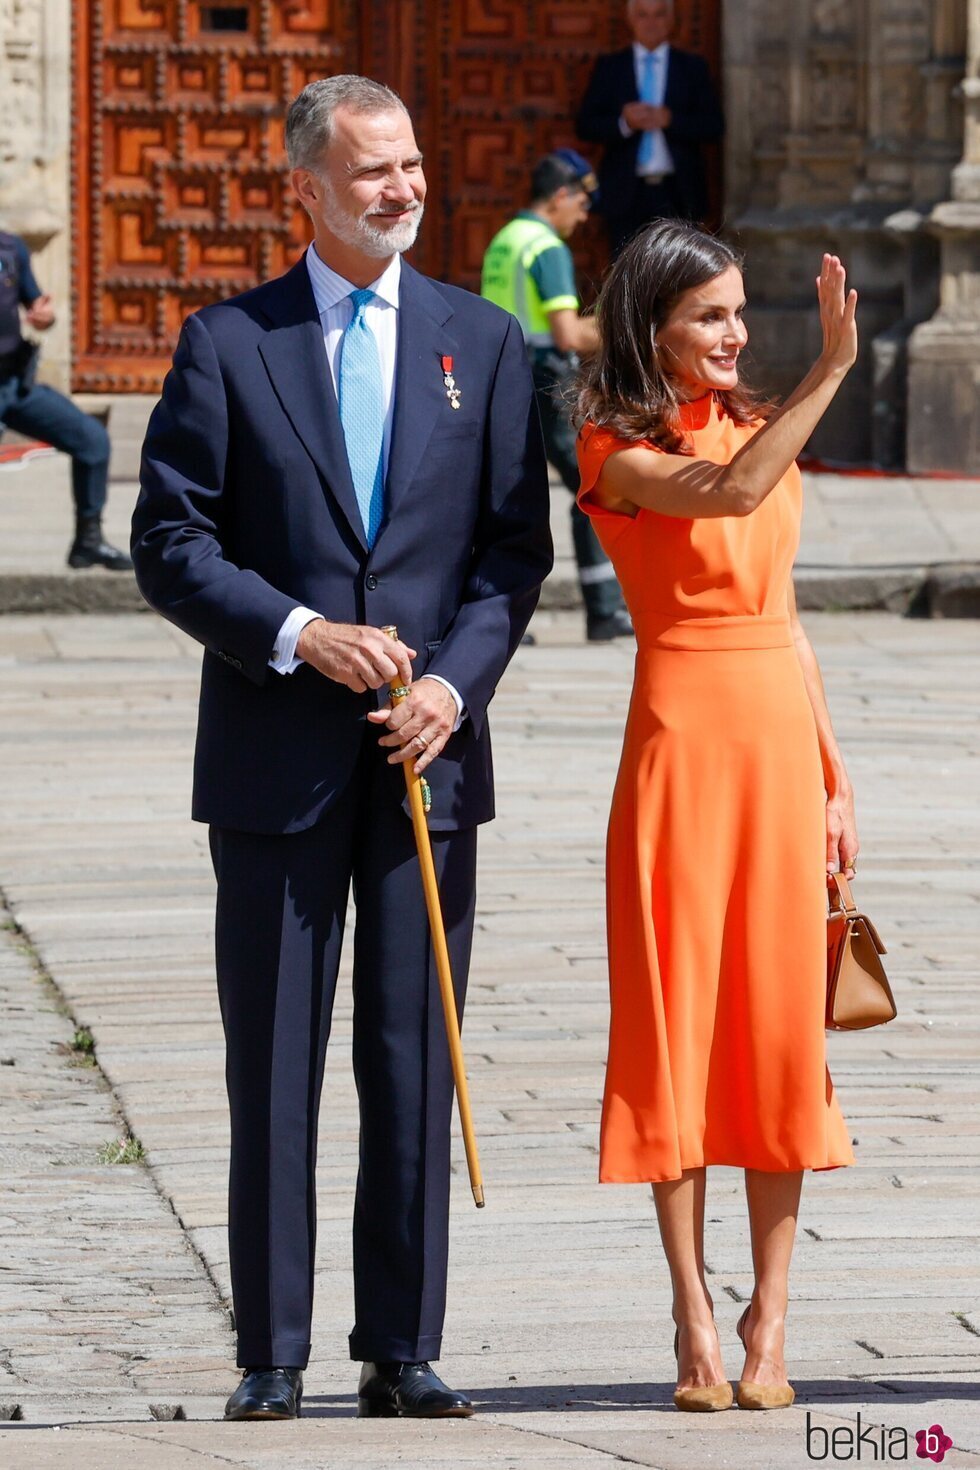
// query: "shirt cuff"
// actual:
[[284, 659], [624, 127], [460, 706], [560, 303]]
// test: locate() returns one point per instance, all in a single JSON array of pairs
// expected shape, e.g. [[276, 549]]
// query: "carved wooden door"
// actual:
[[180, 193], [179, 185], [493, 85]]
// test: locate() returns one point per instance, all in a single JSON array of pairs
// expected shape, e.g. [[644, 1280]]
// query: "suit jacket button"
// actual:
[[370, 582]]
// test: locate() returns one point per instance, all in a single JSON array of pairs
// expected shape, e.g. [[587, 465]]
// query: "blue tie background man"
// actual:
[[653, 156], [652, 107], [309, 477]]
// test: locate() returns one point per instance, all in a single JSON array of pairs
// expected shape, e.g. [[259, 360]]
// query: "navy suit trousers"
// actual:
[[281, 905]]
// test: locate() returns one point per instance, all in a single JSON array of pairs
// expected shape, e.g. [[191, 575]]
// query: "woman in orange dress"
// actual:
[[732, 800]]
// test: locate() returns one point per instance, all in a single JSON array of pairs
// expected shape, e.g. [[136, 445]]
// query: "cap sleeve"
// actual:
[[593, 447]]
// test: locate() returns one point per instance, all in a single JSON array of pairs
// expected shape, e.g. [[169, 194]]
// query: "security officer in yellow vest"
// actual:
[[529, 271]]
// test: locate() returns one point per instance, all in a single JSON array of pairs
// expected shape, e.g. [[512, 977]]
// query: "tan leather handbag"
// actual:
[[858, 992]]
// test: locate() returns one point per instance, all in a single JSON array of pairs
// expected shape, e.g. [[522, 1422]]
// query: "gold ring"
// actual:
[[422, 741]]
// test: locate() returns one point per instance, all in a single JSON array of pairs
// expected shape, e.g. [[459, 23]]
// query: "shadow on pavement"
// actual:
[[623, 1397]]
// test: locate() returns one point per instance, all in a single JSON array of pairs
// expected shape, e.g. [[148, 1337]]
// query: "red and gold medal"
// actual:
[[452, 392]]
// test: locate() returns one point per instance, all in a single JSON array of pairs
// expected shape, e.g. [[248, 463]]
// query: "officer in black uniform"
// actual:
[[35, 409]]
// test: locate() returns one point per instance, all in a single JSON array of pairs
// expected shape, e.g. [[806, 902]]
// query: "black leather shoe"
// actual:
[[616, 625], [267, 1393], [91, 549], [407, 1391]]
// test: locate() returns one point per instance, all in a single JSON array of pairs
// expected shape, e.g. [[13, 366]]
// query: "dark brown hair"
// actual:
[[623, 386]]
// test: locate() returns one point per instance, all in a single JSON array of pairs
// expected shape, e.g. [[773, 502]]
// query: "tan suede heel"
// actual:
[[760, 1395], [705, 1400]]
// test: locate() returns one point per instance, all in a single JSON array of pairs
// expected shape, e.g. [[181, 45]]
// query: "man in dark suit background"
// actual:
[[652, 107], [349, 446]]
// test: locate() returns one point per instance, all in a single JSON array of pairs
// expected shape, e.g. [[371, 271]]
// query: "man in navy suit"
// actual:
[[652, 107], [349, 446]]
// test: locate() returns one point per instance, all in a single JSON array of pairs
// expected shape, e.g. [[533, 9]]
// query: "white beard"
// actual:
[[363, 234]]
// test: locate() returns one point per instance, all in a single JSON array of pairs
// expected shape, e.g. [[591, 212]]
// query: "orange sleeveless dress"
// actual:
[[716, 865]]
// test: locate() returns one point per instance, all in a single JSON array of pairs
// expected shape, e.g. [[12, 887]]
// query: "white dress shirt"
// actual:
[[332, 295], [663, 162]]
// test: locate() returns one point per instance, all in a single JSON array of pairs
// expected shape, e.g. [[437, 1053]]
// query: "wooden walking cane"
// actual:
[[398, 692]]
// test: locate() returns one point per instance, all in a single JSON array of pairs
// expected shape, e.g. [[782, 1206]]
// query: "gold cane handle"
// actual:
[[397, 693]]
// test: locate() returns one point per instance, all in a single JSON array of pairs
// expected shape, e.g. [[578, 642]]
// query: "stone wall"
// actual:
[[35, 145], [844, 127], [944, 352]]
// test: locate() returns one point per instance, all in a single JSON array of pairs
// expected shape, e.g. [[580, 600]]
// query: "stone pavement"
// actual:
[[102, 1296], [867, 542], [559, 1301]]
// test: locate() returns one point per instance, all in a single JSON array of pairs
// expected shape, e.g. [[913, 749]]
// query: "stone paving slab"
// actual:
[[559, 1300], [97, 1279], [586, 1431], [868, 542]]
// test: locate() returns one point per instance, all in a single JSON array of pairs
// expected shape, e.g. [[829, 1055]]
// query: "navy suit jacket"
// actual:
[[696, 118], [247, 510]]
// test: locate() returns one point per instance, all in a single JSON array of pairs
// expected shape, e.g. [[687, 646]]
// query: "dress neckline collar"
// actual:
[[697, 413]]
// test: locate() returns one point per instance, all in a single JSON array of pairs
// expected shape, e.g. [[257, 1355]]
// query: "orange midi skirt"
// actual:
[[716, 905]]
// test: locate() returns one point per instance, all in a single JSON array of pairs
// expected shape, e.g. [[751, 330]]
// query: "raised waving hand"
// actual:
[[838, 308]]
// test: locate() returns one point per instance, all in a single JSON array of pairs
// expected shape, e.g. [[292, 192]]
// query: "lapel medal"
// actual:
[[452, 392]]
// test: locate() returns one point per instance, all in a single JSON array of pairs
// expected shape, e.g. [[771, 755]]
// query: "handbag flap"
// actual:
[[859, 994]]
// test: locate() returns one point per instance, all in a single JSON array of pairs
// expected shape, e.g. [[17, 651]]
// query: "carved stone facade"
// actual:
[[846, 123], [944, 352], [35, 71]]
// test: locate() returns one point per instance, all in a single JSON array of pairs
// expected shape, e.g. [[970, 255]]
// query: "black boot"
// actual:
[[89, 549]]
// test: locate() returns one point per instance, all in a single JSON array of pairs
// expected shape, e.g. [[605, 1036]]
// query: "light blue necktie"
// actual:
[[362, 415], [648, 93]]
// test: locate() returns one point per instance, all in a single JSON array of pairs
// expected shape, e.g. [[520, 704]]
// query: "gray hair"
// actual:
[[309, 121]]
